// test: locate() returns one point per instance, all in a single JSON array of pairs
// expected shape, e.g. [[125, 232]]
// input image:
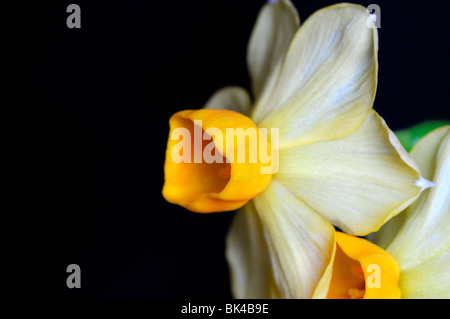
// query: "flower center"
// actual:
[[193, 176], [216, 160], [347, 281], [362, 270]]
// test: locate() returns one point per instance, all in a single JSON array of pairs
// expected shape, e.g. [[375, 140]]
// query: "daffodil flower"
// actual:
[[338, 163], [410, 254], [419, 238], [361, 269]]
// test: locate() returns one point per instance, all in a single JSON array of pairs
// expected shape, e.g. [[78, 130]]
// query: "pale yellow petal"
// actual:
[[232, 98], [300, 242], [357, 182], [427, 280], [432, 151], [422, 243], [248, 256], [328, 80], [323, 286], [275, 27], [384, 236]]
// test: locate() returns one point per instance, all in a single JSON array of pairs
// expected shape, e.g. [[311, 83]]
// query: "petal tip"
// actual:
[[423, 183]]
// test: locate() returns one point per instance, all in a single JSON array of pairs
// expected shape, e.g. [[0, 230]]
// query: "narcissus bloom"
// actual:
[[360, 270], [419, 238], [416, 262], [337, 162]]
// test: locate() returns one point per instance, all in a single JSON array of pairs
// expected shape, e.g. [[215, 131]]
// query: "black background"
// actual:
[[96, 103]]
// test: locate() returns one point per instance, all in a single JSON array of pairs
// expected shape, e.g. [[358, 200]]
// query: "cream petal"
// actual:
[[323, 286], [248, 256], [427, 280], [275, 27], [384, 236], [300, 242], [357, 182], [422, 243], [232, 98], [328, 80]]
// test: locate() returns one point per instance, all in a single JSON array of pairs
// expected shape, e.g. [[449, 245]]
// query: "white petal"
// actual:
[[429, 279], [357, 182], [423, 238], [423, 183], [232, 98], [328, 80], [248, 256], [301, 243], [275, 27]]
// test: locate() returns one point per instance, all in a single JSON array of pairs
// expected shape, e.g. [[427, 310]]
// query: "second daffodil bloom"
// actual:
[[419, 238], [334, 160], [414, 261]]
